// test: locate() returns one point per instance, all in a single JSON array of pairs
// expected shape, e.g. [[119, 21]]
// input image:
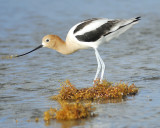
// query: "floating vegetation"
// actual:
[[9, 57], [36, 119], [78, 109], [99, 91], [69, 111]]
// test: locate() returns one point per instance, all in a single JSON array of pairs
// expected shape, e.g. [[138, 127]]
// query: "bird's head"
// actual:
[[49, 41]]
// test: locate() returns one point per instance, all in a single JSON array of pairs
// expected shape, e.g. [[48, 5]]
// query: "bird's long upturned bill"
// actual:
[[40, 46]]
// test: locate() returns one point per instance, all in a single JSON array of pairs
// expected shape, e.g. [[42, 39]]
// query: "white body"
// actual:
[[95, 24], [104, 29]]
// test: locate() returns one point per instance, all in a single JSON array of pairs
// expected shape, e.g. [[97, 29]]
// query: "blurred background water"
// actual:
[[27, 82]]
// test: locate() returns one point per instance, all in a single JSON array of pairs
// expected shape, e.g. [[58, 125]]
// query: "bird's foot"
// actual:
[[97, 81]]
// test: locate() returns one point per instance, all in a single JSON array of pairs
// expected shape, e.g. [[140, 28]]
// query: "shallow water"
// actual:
[[27, 82]]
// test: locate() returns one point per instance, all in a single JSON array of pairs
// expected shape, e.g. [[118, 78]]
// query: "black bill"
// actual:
[[30, 51]]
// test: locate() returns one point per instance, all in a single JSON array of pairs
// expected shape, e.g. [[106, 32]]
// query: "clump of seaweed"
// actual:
[[105, 90], [69, 111], [9, 57], [77, 110]]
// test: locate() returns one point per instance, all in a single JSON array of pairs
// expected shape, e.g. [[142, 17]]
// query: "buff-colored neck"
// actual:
[[64, 47], [61, 46]]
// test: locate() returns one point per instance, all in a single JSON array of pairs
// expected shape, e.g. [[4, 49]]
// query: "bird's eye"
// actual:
[[47, 40]]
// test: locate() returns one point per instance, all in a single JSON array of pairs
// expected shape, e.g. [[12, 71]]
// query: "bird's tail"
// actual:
[[136, 19]]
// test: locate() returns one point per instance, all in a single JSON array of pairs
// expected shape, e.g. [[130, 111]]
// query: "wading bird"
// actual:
[[88, 34]]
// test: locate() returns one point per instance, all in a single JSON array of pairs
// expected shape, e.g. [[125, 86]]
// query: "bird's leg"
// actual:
[[103, 67], [99, 64]]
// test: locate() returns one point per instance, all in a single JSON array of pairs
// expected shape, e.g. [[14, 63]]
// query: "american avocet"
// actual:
[[86, 34]]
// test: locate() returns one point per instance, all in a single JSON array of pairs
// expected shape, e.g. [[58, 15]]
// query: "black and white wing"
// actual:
[[95, 29]]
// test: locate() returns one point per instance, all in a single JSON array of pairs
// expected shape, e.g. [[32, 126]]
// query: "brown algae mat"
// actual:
[[77, 109], [69, 111], [104, 90]]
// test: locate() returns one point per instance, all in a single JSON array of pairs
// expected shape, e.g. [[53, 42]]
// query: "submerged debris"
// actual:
[[69, 111], [105, 90]]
